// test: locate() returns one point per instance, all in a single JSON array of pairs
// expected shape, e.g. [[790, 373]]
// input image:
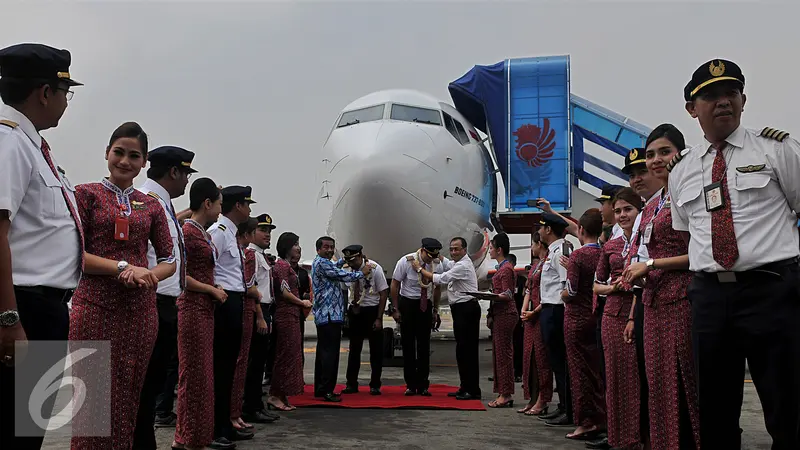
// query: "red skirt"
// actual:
[[503, 354], [237, 393], [584, 365], [622, 385], [195, 410], [132, 333], [287, 371], [534, 347], [669, 364]]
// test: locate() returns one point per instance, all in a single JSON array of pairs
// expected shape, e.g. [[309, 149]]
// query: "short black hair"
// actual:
[[14, 91], [322, 239], [130, 130], [202, 189], [285, 243], [460, 239], [512, 258], [248, 226], [157, 172], [501, 241], [669, 131], [592, 222], [229, 203]]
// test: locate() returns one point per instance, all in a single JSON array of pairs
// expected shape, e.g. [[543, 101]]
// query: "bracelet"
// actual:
[[630, 319]]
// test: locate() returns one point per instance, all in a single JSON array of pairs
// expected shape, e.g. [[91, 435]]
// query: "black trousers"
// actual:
[[44, 316], [754, 318], [361, 327], [326, 365], [144, 436], [227, 343], [415, 338], [552, 323], [598, 334], [259, 353], [638, 341], [165, 401], [466, 328]]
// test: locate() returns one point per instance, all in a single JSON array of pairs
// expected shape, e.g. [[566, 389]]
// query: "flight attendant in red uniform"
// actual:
[[622, 370], [116, 298], [505, 318], [669, 359], [535, 356], [580, 326]]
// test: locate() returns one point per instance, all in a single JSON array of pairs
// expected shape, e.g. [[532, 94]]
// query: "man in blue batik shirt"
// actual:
[[329, 307]]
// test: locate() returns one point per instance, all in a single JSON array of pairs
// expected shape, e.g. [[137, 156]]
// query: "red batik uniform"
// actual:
[[533, 344], [504, 319], [287, 372], [248, 317], [622, 370], [195, 409], [103, 309], [580, 338], [668, 335]]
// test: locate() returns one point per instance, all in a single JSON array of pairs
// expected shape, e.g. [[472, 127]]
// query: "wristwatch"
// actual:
[[419, 269], [651, 264], [8, 318], [121, 266]]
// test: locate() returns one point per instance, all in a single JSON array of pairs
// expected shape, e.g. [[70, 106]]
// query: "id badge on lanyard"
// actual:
[[121, 225]]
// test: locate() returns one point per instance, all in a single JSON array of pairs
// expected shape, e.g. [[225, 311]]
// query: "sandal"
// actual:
[[506, 404], [272, 406], [586, 436], [535, 412], [527, 408]]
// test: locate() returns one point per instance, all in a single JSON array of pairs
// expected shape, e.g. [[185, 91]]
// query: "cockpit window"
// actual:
[[362, 115], [416, 114]]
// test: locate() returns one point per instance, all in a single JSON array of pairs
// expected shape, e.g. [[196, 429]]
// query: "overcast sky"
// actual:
[[253, 88]]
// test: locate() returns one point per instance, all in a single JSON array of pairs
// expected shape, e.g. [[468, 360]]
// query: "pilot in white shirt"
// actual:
[[41, 250], [737, 194], [228, 317]]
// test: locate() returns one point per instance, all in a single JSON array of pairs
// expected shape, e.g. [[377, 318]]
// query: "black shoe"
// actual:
[[241, 435], [424, 393], [518, 379], [166, 422], [456, 393], [222, 443], [259, 417], [599, 444], [332, 398], [350, 390], [560, 421], [410, 392], [552, 415], [374, 391], [468, 396]]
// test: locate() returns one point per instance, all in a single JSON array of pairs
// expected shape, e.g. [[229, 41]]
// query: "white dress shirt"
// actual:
[[171, 286], [554, 276], [378, 283], [263, 274], [44, 240], [228, 270], [409, 278], [764, 189], [459, 276]]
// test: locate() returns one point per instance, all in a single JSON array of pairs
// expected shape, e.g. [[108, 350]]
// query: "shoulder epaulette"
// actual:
[[154, 195], [772, 133], [676, 159], [222, 227], [9, 123]]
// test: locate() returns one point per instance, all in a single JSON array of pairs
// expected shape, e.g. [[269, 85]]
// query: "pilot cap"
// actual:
[[634, 157], [351, 251], [431, 245], [609, 191], [711, 72], [237, 194], [264, 220], [553, 221], [171, 156], [36, 62]]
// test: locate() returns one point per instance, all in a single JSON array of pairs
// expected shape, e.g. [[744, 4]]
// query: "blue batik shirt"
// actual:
[[326, 277]]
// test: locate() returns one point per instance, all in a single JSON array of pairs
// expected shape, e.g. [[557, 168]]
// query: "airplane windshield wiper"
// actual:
[[425, 121], [353, 122]]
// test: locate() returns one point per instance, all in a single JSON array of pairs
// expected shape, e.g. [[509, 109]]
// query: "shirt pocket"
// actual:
[[749, 187], [52, 203], [692, 201]]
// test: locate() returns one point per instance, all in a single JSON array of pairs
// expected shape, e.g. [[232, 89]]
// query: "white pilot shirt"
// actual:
[[764, 189], [43, 237], [378, 283], [228, 270], [459, 276], [171, 286], [409, 278], [554, 276], [263, 274]]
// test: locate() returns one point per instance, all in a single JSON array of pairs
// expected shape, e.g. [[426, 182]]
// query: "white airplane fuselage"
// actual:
[[399, 166]]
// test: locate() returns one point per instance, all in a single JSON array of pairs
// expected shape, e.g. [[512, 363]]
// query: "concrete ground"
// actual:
[[315, 428]]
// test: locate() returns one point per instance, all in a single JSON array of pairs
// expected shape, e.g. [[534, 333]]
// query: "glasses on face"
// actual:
[[68, 93]]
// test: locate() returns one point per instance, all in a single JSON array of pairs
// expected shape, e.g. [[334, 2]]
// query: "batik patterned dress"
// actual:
[[668, 352], [580, 338], [534, 332], [622, 370], [104, 309], [505, 318], [287, 372], [530, 333], [248, 317], [195, 408]]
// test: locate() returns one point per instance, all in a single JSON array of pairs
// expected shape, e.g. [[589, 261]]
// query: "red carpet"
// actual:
[[392, 398]]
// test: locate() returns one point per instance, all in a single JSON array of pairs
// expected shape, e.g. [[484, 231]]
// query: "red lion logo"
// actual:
[[535, 145]]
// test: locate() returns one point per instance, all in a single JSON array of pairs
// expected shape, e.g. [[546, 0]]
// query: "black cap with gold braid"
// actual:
[[711, 72]]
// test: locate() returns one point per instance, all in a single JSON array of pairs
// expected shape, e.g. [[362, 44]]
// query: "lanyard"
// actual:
[[661, 204]]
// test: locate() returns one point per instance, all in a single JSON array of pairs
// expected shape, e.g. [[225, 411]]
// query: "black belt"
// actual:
[[46, 291], [551, 305], [769, 269]]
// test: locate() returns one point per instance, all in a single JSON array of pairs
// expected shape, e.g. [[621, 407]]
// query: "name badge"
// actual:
[[121, 229], [648, 231], [714, 198]]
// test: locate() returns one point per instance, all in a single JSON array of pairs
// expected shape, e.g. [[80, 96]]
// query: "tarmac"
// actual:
[[335, 428]]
